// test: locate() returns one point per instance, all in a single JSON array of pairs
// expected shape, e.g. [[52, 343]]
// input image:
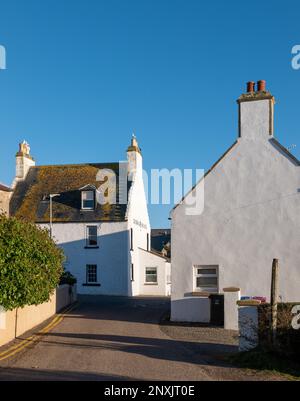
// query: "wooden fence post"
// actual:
[[274, 299]]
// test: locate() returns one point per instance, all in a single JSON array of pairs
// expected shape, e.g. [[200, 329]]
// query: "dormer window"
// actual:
[[88, 200]]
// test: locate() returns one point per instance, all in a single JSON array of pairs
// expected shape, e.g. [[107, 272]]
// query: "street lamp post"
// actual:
[[51, 196]]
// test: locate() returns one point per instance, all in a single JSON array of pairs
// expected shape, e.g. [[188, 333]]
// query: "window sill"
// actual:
[[150, 283], [201, 294], [91, 285], [91, 247]]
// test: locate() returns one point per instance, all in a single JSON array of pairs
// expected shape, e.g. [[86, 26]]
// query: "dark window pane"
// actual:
[[132, 272], [91, 273], [92, 237], [207, 282], [88, 201], [207, 271], [88, 204], [151, 275]]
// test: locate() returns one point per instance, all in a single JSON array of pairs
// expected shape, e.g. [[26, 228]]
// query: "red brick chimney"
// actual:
[[250, 86], [261, 86]]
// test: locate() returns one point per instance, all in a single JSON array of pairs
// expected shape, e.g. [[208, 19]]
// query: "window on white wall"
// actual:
[[88, 200], [131, 239], [91, 274], [151, 275], [206, 278], [92, 236]]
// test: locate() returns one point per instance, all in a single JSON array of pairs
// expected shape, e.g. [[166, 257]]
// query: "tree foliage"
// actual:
[[30, 264], [67, 278]]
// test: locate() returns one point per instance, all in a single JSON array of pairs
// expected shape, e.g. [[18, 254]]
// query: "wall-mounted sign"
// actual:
[[140, 224]]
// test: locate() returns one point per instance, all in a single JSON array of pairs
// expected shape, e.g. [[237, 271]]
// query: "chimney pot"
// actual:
[[250, 86], [261, 86]]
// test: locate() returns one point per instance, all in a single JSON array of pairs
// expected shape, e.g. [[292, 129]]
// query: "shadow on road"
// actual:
[[100, 324], [124, 309], [19, 374], [163, 349]]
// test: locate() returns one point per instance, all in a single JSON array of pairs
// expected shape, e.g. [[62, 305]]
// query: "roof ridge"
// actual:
[[75, 165], [285, 150]]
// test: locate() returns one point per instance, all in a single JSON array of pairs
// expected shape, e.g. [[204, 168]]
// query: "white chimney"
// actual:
[[134, 158], [23, 162], [256, 112]]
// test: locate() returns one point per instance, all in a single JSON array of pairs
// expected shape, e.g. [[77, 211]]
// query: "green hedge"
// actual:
[[67, 278], [30, 264]]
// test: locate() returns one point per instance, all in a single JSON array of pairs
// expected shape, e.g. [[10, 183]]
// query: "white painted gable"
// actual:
[[251, 215]]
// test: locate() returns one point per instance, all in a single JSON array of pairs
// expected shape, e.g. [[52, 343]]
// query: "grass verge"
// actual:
[[267, 361]]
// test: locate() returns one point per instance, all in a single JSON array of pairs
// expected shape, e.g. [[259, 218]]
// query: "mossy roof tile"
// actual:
[[30, 202]]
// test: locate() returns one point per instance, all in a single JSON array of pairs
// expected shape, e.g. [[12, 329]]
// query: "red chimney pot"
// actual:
[[261, 86], [250, 86]]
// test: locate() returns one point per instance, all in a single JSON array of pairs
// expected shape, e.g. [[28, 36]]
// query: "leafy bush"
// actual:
[[67, 278], [30, 264], [288, 339]]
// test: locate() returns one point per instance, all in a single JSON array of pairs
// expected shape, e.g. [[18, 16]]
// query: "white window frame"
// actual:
[[197, 274], [82, 200], [87, 273], [151, 282], [88, 237]]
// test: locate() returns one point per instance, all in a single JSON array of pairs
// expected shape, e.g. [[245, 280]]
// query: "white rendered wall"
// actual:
[[191, 309], [168, 279], [111, 257], [23, 165], [138, 219], [251, 215], [147, 259], [231, 318]]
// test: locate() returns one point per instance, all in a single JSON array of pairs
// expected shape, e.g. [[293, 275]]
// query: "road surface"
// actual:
[[112, 338]]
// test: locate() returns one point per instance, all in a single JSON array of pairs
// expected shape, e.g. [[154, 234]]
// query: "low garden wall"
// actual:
[[17, 322]]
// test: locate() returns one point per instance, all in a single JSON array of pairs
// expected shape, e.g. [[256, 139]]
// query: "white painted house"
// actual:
[[107, 244], [251, 215]]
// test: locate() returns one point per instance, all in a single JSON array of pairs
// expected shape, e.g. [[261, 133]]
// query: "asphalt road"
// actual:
[[110, 338]]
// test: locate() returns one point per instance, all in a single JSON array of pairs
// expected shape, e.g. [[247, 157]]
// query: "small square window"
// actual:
[[88, 200], [151, 275], [206, 278], [92, 236], [91, 274]]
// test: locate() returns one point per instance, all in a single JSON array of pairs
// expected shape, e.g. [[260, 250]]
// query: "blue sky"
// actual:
[[83, 75]]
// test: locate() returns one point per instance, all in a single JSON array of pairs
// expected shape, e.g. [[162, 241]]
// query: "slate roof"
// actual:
[[30, 199], [159, 238]]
